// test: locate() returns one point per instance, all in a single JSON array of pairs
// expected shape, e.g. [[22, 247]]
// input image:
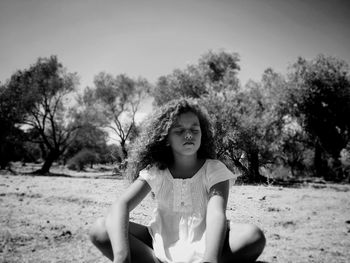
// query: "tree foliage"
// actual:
[[121, 98], [214, 71], [299, 121], [87, 115], [320, 93], [82, 158], [88, 137], [43, 91], [10, 114], [248, 123]]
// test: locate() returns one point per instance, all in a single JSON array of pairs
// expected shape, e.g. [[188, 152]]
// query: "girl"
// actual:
[[175, 159]]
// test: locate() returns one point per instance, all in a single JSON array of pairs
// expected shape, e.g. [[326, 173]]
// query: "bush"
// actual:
[[81, 159], [276, 171], [111, 154], [345, 161]]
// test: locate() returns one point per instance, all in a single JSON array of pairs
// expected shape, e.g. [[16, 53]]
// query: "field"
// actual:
[[46, 219]]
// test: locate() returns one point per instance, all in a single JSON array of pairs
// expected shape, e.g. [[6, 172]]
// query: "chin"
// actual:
[[191, 151]]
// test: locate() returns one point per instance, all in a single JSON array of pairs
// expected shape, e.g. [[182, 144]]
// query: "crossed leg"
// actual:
[[243, 243], [140, 242]]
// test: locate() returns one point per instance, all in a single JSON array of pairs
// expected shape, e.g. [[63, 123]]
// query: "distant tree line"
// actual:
[[289, 125]]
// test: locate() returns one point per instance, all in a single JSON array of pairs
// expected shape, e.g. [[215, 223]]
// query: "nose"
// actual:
[[188, 136]]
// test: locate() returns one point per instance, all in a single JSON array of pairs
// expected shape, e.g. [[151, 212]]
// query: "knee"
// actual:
[[247, 235], [98, 233], [255, 236]]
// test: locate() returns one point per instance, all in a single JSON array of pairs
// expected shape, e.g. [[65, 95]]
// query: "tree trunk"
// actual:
[[292, 169], [125, 152], [51, 157], [338, 173], [240, 166], [318, 161], [253, 166], [43, 151]]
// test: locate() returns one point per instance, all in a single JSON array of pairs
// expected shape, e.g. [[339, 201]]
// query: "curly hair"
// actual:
[[150, 148]]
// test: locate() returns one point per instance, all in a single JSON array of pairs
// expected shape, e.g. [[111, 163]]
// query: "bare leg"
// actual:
[[140, 241], [244, 243]]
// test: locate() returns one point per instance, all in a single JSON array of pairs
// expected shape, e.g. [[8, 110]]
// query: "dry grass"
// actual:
[[46, 219]]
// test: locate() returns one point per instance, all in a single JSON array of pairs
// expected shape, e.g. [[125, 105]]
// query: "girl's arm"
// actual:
[[216, 221], [117, 221]]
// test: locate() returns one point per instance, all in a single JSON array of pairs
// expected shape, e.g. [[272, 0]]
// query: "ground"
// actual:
[[46, 219]]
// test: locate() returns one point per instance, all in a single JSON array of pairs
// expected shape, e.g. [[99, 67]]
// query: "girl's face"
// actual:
[[185, 136]]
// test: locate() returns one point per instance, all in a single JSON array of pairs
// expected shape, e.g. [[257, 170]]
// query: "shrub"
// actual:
[[81, 159], [345, 161]]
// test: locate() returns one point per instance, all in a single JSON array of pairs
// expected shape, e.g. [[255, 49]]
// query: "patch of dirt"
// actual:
[[46, 219]]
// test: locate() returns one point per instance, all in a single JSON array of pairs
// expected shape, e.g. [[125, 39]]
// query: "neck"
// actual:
[[185, 162], [185, 166]]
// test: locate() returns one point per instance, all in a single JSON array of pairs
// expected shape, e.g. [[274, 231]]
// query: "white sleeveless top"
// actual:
[[179, 220]]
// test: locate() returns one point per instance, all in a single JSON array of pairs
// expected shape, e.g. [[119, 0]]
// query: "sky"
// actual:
[[152, 38]]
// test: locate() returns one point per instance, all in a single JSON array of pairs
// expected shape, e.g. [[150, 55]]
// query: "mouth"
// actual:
[[188, 143]]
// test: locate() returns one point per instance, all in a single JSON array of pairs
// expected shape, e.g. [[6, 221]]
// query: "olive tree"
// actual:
[[120, 98], [320, 95], [45, 93]]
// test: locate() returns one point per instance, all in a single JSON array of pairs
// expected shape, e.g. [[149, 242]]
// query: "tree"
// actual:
[[82, 158], [120, 98], [88, 137], [248, 123], [112, 154], [320, 94], [10, 134], [181, 83], [45, 89], [87, 115], [222, 111], [213, 72], [220, 70], [296, 149]]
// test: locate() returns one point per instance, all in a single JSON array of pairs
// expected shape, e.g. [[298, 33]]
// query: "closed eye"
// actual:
[[179, 132]]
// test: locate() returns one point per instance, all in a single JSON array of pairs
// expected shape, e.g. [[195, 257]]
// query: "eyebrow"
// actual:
[[195, 124]]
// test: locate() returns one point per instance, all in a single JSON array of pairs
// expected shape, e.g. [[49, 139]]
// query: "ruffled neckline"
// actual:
[[169, 174]]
